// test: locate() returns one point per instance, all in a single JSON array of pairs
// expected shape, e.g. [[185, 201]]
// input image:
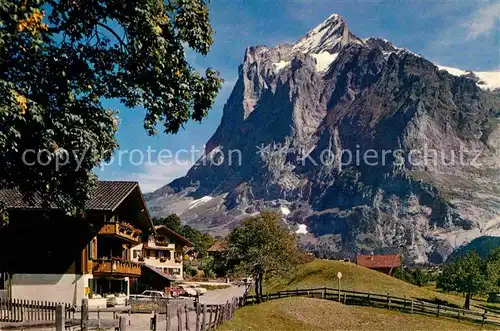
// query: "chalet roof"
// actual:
[[379, 261], [163, 230], [166, 277], [107, 196], [218, 246]]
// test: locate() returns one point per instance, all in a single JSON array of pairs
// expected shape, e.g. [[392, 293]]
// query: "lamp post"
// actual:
[[339, 277]]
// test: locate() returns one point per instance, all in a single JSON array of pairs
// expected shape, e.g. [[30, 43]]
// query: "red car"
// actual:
[[174, 291]]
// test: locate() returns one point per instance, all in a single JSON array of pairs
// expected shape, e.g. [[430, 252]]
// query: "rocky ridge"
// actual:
[[298, 111]]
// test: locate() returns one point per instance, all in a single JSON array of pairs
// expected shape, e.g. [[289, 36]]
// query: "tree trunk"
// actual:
[[467, 301], [261, 277], [258, 287]]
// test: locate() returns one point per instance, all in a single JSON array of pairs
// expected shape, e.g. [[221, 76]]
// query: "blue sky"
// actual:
[[461, 33]]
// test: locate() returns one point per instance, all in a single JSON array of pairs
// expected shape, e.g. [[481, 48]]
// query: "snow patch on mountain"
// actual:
[[324, 60], [281, 65], [487, 80], [285, 211], [302, 229], [453, 71], [491, 79], [198, 202]]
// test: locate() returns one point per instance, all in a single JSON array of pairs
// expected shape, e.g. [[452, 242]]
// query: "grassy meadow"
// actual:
[[292, 314], [321, 273]]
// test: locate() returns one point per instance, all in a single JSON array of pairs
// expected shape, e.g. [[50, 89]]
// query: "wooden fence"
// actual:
[[16, 310], [20, 314], [409, 305], [202, 317]]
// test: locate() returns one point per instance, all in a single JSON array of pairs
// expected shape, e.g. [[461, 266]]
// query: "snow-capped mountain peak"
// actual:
[[330, 36]]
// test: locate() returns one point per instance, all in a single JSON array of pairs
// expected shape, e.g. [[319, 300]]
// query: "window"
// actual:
[[3, 280], [174, 271], [91, 250]]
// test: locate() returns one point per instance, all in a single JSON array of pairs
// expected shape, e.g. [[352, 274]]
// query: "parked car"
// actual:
[[111, 300], [174, 291], [200, 290], [188, 291], [114, 300], [148, 295], [154, 294]]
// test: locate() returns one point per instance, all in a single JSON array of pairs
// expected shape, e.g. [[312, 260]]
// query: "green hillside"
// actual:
[[292, 314], [482, 245], [321, 273]]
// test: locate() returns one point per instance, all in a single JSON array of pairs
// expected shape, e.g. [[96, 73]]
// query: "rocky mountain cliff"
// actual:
[[361, 145]]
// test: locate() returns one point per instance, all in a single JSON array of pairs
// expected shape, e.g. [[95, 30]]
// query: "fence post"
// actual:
[[198, 312], [484, 318], [388, 301], [437, 311], [204, 318], [85, 314], [122, 322], [167, 316], [345, 298], [214, 314], [339, 294], [411, 311], [458, 315], [179, 318], [152, 324], [404, 304], [188, 324], [60, 318], [279, 294], [323, 295]]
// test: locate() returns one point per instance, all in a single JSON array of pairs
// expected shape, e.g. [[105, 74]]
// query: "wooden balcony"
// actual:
[[116, 267], [121, 230]]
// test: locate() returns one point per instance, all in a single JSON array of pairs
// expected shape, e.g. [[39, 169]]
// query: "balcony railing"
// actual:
[[115, 266], [122, 230]]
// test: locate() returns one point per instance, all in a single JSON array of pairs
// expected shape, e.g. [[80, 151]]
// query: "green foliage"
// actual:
[[189, 269], [172, 222], [262, 245], [493, 271], [201, 241], [207, 266], [415, 276], [60, 59], [470, 275]]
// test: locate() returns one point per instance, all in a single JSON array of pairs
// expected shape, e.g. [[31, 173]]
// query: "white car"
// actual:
[[200, 290], [187, 290], [149, 295]]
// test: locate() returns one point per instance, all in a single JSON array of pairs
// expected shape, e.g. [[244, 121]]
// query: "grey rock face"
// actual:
[[299, 112]]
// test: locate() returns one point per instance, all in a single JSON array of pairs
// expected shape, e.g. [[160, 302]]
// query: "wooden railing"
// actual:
[[17, 310], [116, 266], [180, 315], [408, 305], [122, 230], [25, 314]]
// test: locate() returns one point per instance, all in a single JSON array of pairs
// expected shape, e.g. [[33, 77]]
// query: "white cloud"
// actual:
[[484, 20], [153, 177]]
